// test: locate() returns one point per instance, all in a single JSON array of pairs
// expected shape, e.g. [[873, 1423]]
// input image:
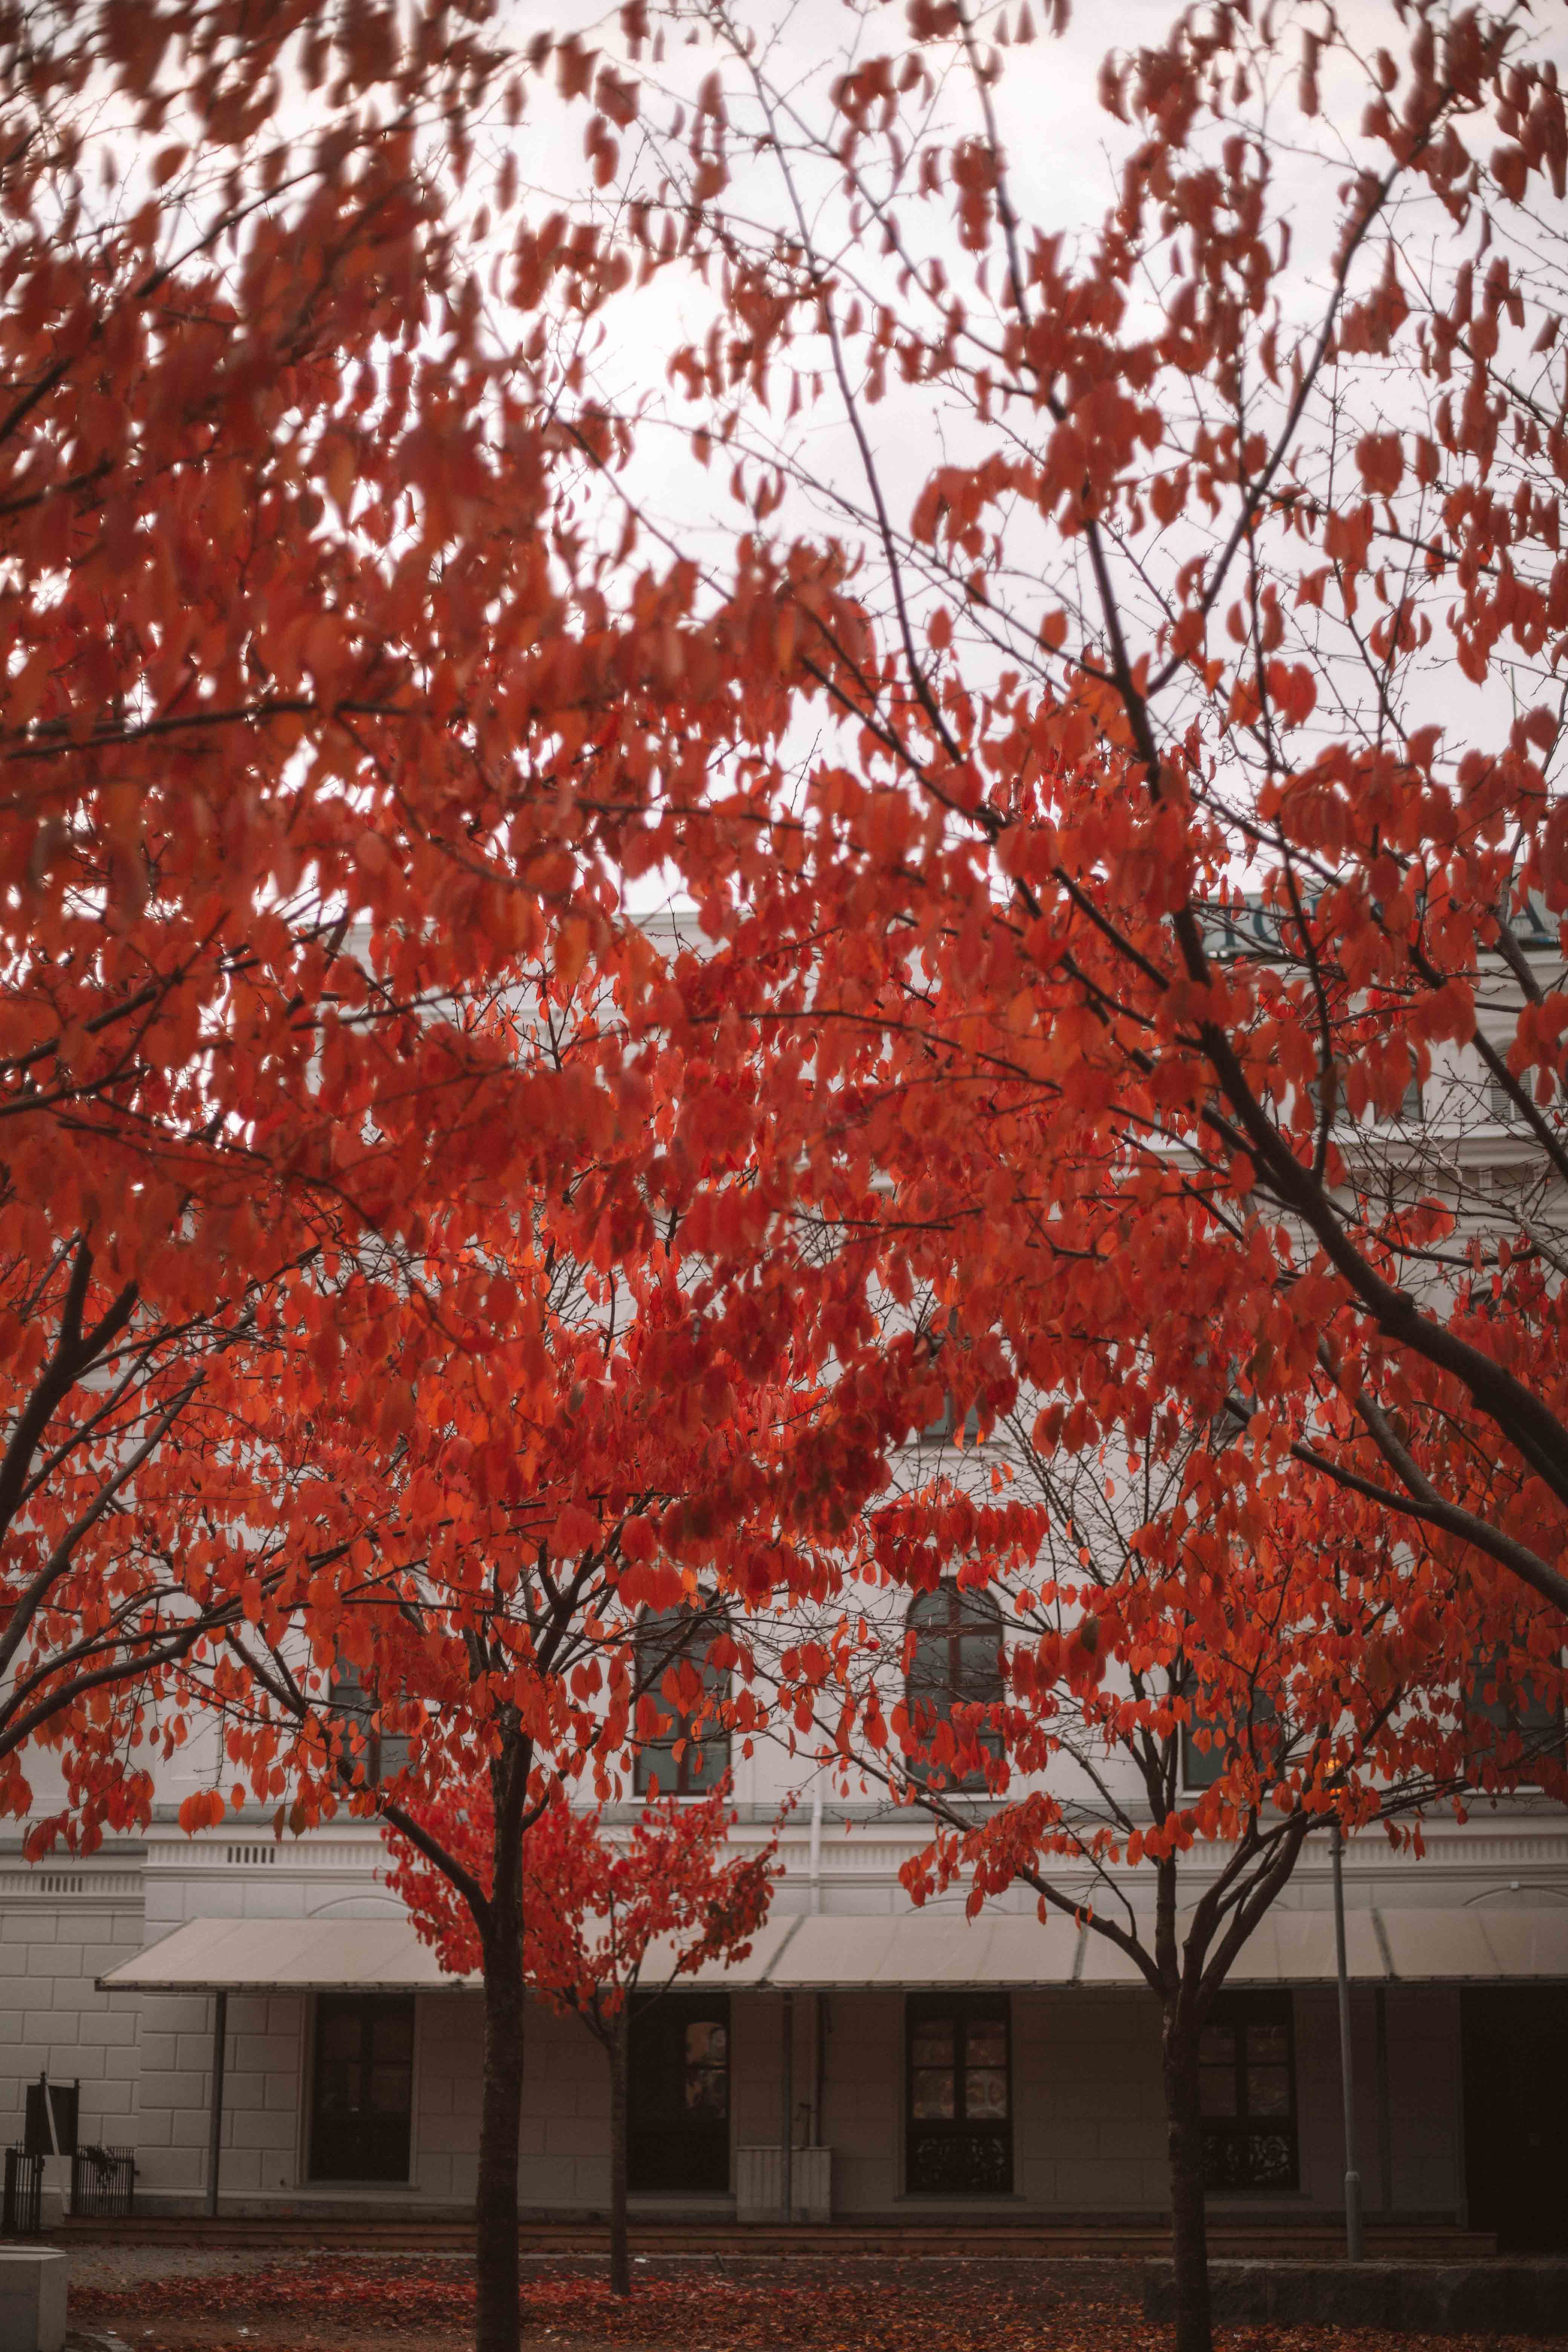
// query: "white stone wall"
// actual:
[[60, 1928], [449, 2052]]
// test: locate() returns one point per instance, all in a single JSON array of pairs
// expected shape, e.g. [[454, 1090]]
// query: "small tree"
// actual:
[[549, 1450], [1064, 1686], [610, 1923]]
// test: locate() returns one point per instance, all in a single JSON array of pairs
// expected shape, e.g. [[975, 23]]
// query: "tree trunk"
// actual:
[[499, 2325], [620, 2243], [1189, 2222]]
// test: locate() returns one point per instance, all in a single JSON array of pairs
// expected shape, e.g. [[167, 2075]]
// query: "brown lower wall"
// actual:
[[1089, 2127]]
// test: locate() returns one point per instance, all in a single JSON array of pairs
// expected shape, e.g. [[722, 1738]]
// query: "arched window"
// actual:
[[674, 1669], [956, 1662]]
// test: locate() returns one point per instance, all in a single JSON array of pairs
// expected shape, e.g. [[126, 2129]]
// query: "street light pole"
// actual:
[[1347, 2064]]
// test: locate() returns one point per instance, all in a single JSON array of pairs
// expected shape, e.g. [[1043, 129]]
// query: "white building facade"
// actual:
[[1001, 2070]]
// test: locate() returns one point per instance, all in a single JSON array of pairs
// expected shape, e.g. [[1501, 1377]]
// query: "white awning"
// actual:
[[1287, 1947], [743, 1977], [892, 1951], [343, 1954], [1478, 1945], [926, 1946], [284, 1956]]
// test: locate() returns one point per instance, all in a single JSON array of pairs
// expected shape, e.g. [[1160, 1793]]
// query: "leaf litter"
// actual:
[[291, 2306]]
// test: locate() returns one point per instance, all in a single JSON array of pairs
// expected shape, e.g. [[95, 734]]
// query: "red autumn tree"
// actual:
[[610, 1922], [1070, 1653], [560, 1497], [320, 706], [1197, 800]]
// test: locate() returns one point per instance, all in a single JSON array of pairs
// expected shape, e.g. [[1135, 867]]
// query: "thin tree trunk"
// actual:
[[499, 2325], [620, 2242], [1189, 2221]]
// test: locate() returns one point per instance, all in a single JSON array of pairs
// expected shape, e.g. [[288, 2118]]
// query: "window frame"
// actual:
[[1195, 1759], [351, 1697], [322, 2008], [1476, 1708], [1501, 1108], [945, 1429], [952, 1636], [1237, 2011], [960, 2008], [717, 1737], [672, 2011]]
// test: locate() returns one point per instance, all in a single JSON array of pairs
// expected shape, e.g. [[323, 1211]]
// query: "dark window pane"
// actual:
[[1224, 1738], [392, 2033], [691, 1752], [340, 2034], [986, 2042], [706, 1762], [1216, 2086], [1505, 1697], [932, 2096], [1201, 1767], [932, 2044], [389, 2090], [1268, 2091], [368, 1755], [985, 2093]]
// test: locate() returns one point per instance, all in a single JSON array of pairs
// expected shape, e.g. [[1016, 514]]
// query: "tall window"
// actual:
[[1411, 1109], [362, 2091], [678, 2095], [674, 1669], [1203, 1765], [943, 1430], [1505, 1696], [959, 2124], [381, 1755], [1500, 1101], [956, 1662], [1247, 2078]]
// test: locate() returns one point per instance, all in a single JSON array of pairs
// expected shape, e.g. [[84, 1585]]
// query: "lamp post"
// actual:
[[1347, 2062]]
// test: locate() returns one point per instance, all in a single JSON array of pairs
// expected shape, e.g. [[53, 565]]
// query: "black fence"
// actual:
[[103, 2181], [24, 2194]]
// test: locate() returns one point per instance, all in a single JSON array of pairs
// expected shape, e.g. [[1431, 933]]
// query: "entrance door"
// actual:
[[1516, 2093], [362, 2100], [679, 2090]]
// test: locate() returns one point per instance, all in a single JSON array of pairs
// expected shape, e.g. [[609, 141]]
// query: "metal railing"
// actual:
[[102, 2183], [24, 2216]]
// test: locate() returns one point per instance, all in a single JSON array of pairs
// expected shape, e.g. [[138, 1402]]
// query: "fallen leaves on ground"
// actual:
[[705, 2312]]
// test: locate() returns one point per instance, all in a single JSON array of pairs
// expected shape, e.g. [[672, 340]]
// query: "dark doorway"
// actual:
[[678, 2095], [362, 2095], [1515, 2046]]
